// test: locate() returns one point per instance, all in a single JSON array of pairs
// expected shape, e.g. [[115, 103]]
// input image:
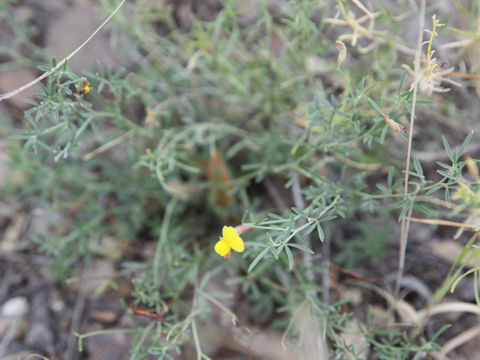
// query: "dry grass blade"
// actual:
[[406, 219], [311, 343], [458, 340], [454, 306], [36, 356], [107, 146], [471, 227], [449, 250], [418, 318], [407, 312]]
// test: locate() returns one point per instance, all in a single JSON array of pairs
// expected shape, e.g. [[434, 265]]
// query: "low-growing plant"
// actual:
[[250, 120]]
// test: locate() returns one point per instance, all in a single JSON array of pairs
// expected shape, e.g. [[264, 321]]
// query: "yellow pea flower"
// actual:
[[230, 240], [85, 87]]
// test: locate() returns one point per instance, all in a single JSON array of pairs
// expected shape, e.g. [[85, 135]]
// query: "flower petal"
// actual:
[[222, 247], [234, 240]]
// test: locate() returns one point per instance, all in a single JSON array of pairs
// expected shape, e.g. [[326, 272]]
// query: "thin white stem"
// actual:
[[61, 63], [406, 219], [108, 145]]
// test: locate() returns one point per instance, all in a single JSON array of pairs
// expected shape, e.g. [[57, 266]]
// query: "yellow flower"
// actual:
[[230, 240], [85, 87]]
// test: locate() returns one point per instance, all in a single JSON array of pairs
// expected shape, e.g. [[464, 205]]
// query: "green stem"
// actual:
[[99, 332], [140, 342], [218, 303], [162, 240]]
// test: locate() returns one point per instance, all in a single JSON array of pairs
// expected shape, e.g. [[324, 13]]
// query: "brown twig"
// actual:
[[352, 274], [336, 290], [334, 282], [145, 312]]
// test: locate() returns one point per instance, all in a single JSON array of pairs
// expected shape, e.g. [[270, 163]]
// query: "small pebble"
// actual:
[[14, 307]]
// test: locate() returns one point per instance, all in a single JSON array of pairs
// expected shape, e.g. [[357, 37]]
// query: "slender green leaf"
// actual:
[[290, 257], [301, 247], [257, 259]]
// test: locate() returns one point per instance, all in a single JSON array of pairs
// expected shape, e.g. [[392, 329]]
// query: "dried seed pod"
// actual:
[[343, 52], [395, 126]]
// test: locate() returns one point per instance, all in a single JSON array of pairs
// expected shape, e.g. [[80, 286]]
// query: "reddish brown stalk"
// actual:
[[145, 312]]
